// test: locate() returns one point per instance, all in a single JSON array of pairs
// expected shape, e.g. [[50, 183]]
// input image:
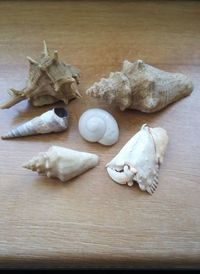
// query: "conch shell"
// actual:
[[49, 81], [62, 163], [54, 120], [142, 87], [98, 125], [139, 160]]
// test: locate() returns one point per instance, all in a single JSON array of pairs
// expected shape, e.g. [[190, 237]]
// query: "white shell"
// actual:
[[98, 125], [139, 160], [54, 120], [62, 163]]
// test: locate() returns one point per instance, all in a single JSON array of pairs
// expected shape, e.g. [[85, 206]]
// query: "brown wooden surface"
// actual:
[[91, 221]]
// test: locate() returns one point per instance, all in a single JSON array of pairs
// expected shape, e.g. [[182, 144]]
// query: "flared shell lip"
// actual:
[[118, 177]]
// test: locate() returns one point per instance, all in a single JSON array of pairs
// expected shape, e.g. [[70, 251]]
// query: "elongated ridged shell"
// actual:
[[139, 160], [142, 87], [49, 81], [98, 125], [54, 120], [62, 163]]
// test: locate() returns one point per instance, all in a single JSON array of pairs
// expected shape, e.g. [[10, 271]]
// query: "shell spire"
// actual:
[[50, 80], [37, 163], [62, 163], [142, 87], [54, 120]]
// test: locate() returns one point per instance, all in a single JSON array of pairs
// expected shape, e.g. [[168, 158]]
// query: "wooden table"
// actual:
[[91, 221]]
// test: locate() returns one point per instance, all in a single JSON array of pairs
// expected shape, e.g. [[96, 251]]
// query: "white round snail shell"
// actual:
[[98, 125]]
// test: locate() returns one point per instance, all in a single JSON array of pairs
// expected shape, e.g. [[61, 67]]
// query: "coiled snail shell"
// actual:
[[98, 125]]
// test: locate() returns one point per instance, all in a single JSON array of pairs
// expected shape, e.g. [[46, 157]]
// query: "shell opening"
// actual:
[[123, 174], [61, 112]]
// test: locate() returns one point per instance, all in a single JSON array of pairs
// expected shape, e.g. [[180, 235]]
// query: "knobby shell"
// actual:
[[50, 80], [142, 87]]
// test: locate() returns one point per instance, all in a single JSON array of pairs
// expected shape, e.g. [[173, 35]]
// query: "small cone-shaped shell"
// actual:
[[49, 81], [142, 87], [54, 120], [140, 158], [62, 163]]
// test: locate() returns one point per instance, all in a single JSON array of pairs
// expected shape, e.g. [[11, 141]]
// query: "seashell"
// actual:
[[139, 160], [49, 81], [62, 163], [54, 120], [142, 87], [98, 125]]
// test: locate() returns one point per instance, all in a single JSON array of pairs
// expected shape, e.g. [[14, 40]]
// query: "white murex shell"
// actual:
[[139, 160], [54, 120], [98, 125], [62, 163]]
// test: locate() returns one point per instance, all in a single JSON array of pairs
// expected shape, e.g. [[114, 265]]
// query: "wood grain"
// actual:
[[91, 221]]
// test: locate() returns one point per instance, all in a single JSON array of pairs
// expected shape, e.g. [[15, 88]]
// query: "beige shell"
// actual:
[[62, 163], [54, 120], [49, 81], [142, 87], [139, 160]]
